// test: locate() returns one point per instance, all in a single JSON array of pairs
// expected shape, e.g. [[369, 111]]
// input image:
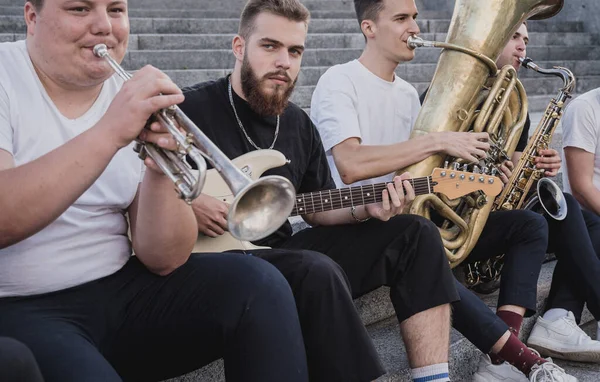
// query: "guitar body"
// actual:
[[253, 164], [451, 182]]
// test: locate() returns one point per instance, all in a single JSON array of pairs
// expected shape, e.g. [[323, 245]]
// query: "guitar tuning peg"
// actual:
[[476, 169], [484, 170], [456, 165], [494, 171], [465, 167], [446, 164]]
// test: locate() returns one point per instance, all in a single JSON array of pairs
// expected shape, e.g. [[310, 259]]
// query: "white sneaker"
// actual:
[[563, 339], [505, 372], [549, 372]]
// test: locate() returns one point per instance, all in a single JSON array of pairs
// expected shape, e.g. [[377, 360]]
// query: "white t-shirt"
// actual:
[[581, 128], [89, 240], [350, 101]]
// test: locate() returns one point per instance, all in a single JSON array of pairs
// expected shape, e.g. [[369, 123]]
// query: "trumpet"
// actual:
[[259, 208]]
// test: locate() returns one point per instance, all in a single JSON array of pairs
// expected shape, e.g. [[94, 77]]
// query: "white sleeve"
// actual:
[[580, 126], [333, 109], [415, 109], [6, 130]]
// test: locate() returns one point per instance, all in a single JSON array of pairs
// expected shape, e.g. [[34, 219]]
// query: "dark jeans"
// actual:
[[523, 237], [17, 363], [404, 253], [138, 326], [576, 243]]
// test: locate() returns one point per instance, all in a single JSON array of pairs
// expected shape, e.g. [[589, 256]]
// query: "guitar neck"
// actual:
[[328, 200]]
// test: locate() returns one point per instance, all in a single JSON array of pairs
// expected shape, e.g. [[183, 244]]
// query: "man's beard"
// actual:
[[262, 103]]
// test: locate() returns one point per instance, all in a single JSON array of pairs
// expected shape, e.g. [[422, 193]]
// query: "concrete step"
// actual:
[[464, 357], [16, 24], [327, 40], [312, 5], [223, 58], [229, 12]]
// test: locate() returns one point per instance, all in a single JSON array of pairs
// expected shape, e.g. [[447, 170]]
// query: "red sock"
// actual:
[[519, 355], [512, 319]]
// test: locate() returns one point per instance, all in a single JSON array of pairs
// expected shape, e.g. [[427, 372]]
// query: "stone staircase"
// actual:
[[190, 40]]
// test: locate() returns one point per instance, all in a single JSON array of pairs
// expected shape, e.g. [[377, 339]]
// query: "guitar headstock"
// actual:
[[456, 183]]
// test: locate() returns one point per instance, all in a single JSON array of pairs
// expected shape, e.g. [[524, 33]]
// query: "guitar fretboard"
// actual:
[[327, 200]]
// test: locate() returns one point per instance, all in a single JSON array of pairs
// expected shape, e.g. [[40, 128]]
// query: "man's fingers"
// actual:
[[410, 192], [481, 136], [216, 229], [479, 154], [222, 222], [385, 202], [396, 192]]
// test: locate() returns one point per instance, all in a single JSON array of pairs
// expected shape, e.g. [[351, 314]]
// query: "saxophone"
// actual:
[[548, 197]]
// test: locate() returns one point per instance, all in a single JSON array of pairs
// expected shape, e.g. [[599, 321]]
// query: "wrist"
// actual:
[[359, 217]]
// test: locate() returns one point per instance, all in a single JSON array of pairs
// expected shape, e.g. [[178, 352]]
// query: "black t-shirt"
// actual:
[[524, 134], [207, 105]]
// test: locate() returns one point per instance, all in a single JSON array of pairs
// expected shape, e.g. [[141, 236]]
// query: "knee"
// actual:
[[255, 280], [531, 224], [15, 354], [319, 273], [572, 203], [423, 229]]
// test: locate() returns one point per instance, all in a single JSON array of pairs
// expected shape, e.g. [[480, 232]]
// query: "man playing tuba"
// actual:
[[365, 114]]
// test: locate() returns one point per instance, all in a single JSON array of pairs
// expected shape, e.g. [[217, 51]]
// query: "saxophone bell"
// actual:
[[549, 199]]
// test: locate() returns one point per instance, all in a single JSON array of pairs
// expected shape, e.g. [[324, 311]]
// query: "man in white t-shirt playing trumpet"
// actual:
[[70, 289]]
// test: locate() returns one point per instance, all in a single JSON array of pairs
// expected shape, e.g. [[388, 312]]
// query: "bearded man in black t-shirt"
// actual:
[[249, 110]]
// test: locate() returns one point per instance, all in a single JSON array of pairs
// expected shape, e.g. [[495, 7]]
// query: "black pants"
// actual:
[[523, 237], [404, 253], [138, 326], [17, 363], [338, 347], [576, 243]]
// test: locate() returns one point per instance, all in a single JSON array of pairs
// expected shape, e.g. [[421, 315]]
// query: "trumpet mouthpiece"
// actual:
[[100, 50]]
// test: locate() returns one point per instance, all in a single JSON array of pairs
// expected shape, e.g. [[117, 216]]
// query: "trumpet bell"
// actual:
[[260, 208]]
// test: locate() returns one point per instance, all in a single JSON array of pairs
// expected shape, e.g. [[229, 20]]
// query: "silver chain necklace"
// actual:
[[242, 126]]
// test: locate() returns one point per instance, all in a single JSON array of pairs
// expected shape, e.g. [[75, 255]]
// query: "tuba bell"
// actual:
[[466, 77]]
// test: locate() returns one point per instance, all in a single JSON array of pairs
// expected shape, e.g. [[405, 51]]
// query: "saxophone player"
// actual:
[[573, 240], [575, 280], [365, 132]]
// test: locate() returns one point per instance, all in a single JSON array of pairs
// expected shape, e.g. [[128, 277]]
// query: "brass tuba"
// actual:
[[467, 77]]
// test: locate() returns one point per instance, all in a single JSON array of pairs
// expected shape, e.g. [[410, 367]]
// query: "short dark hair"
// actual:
[[367, 9], [37, 4], [292, 10]]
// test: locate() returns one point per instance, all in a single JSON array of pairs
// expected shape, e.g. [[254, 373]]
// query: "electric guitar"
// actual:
[[450, 182]]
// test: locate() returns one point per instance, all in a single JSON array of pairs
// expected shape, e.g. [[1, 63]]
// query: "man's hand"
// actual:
[[394, 199], [506, 171], [548, 160], [468, 146], [148, 91], [211, 215]]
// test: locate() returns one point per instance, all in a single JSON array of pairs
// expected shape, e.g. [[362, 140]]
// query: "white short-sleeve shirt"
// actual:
[[89, 240], [581, 128], [350, 101]]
